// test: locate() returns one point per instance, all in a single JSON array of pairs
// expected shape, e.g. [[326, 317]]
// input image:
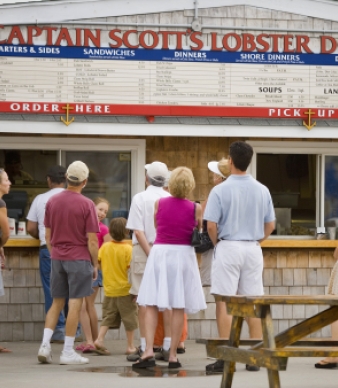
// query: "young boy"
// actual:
[[118, 304]]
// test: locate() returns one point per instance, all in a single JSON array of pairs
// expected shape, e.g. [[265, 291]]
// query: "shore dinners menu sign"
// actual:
[[245, 79]]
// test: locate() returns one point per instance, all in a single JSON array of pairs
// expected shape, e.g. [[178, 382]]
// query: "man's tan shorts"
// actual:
[[136, 270], [115, 309]]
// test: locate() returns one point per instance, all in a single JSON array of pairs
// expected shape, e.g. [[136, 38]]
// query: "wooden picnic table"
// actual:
[[273, 352]]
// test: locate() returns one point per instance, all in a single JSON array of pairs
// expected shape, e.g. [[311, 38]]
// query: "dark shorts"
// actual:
[[71, 279], [115, 309]]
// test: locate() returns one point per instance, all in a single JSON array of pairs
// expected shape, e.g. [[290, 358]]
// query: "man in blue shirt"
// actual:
[[240, 215]]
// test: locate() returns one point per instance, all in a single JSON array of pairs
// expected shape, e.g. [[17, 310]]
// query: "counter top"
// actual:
[[25, 242]]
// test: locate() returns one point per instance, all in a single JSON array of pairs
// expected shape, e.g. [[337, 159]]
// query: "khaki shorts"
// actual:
[[115, 309], [136, 270]]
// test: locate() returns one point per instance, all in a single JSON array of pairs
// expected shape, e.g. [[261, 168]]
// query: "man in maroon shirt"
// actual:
[[71, 226]]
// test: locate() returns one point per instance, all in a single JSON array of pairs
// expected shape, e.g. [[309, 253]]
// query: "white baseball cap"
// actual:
[[213, 166], [157, 170], [77, 171]]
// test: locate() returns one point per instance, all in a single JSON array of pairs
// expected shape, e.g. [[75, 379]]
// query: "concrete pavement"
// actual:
[[21, 369]]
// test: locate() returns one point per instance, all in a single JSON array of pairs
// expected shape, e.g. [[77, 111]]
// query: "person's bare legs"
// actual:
[[130, 342], [150, 323], [177, 322], [141, 319], [92, 314], [99, 342], [73, 316], [54, 312], [85, 323], [223, 319], [255, 327], [334, 336]]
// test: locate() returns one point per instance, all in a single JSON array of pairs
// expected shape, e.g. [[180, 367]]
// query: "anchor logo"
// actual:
[[308, 125], [67, 121]]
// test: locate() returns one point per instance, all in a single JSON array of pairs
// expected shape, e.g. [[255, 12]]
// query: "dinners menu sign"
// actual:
[[157, 81]]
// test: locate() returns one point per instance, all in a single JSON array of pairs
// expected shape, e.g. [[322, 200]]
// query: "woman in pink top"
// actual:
[[88, 316], [171, 279]]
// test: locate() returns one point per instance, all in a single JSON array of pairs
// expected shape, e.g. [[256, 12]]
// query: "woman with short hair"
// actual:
[[171, 279]]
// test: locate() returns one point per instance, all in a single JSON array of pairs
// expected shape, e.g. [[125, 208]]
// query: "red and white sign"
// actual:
[[155, 110]]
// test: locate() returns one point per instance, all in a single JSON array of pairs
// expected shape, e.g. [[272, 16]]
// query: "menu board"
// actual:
[[168, 77]]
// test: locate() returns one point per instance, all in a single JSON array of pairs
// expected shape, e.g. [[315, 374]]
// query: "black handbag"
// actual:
[[195, 238], [205, 243]]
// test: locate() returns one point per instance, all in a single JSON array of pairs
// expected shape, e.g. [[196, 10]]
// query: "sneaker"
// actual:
[[45, 354], [72, 359], [216, 367], [135, 356], [252, 368], [162, 355]]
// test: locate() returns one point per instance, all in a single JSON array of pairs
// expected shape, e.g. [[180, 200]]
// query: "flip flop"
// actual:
[[81, 347], [326, 365], [88, 349], [144, 363], [101, 350], [5, 350], [174, 364]]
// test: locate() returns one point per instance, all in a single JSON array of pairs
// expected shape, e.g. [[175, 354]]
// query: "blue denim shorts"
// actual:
[[98, 281]]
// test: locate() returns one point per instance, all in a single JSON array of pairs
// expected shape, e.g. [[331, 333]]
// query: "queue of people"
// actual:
[[156, 282], [159, 274]]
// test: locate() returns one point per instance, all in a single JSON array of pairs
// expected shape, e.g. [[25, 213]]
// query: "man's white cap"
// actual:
[[77, 171], [213, 166], [166, 182], [157, 170]]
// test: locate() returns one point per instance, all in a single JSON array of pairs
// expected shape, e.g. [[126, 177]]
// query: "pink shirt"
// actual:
[[70, 216], [103, 231], [175, 221]]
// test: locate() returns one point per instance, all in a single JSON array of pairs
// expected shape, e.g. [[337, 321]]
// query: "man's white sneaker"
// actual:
[[45, 354], [72, 359]]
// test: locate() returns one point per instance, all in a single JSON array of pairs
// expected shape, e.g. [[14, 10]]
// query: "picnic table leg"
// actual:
[[269, 342], [229, 367]]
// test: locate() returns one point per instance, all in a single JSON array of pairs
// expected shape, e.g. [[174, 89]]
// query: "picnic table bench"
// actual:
[[273, 352]]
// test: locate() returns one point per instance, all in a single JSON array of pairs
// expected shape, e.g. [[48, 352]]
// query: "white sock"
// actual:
[[47, 336], [166, 343], [143, 344], [69, 344]]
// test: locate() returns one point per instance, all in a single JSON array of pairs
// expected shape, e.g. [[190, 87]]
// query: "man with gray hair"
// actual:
[[71, 226], [141, 221]]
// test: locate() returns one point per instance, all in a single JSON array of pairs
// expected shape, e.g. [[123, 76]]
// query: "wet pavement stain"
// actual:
[[128, 371]]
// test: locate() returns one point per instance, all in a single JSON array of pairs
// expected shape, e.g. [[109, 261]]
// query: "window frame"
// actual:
[[137, 148], [320, 149]]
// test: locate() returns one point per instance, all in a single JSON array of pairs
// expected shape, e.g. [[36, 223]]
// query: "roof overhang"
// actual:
[[68, 10]]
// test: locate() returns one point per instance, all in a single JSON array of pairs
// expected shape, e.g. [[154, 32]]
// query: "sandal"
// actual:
[[326, 365], [143, 363], [174, 364], [101, 350], [180, 350], [89, 349], [81, 347]]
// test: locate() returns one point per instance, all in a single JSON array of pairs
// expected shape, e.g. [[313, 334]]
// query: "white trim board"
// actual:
[[58, 11], [192, 130]]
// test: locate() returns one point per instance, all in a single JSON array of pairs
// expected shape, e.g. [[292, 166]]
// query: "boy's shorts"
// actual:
[[115, 309]]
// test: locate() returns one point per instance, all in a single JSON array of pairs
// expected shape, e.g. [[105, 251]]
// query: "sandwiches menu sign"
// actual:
[[109, 72]]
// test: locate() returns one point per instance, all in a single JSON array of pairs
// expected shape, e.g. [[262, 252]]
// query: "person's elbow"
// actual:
[[270, 227]]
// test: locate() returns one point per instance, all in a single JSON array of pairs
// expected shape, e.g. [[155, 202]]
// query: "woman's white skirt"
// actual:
[[171, 279]]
